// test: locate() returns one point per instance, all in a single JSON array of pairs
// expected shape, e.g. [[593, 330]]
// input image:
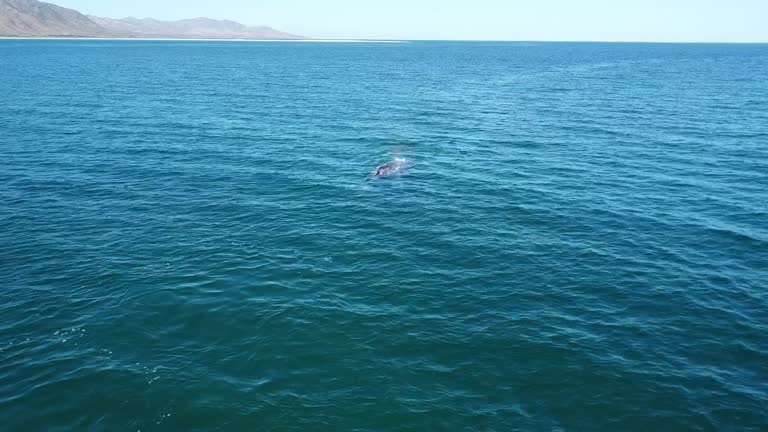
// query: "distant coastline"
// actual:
[[376, 41], [201, 39], [36, 19]]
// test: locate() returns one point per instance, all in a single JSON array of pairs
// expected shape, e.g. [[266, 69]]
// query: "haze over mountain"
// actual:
[[33, 18], [188, 28]]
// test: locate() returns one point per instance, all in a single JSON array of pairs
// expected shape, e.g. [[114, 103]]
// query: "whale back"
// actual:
[[391, 168]]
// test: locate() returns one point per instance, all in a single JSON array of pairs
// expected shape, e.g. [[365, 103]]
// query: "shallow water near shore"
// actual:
[[191, 238]]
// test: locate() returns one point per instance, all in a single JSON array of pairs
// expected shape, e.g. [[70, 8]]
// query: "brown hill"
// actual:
[[32, 18], [35, 18]]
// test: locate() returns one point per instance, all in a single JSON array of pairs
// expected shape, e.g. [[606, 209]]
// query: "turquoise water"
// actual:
[[191, 241]]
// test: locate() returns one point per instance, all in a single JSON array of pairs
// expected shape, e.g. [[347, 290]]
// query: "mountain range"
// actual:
[[33, 18]]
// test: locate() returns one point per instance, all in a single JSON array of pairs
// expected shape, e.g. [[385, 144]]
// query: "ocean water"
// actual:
[[190, 239]]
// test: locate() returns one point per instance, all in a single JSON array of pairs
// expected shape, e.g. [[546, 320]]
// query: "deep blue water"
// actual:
[[189, 239]]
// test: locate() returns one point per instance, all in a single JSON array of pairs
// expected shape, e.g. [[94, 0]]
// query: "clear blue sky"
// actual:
[[598, 20]]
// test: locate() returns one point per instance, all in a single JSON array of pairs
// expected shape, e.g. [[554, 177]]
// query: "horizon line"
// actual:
[[374, 40]]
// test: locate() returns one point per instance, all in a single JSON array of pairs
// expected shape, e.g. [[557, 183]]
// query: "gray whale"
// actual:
[[391, 168]]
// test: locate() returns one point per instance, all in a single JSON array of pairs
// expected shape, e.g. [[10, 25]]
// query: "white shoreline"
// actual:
[[205, 39]]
